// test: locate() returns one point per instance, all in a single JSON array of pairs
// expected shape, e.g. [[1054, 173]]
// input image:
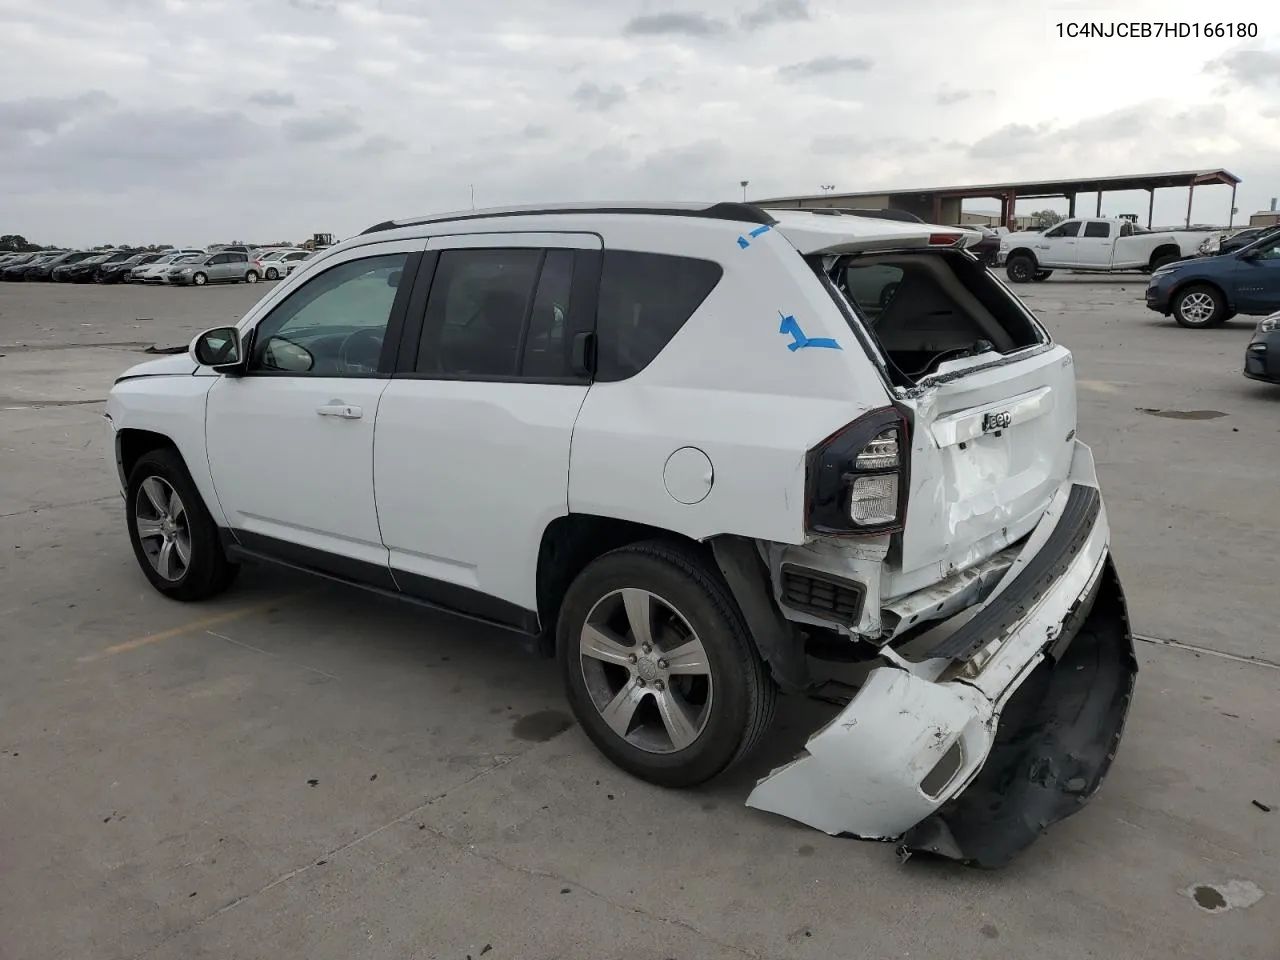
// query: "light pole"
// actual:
[[743, 185]]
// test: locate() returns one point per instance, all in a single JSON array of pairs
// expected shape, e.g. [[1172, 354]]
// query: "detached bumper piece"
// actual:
[[1003, 728], [1055, 740]]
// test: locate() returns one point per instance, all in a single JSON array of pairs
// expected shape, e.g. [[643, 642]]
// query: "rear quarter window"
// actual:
[[645, 298]]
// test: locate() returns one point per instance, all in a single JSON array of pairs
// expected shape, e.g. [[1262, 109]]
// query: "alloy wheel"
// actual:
[[1197, 307], [646, 671], [163, 530]]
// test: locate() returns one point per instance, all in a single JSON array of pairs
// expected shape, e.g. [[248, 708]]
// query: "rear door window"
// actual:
[[1098, 229], [645, 298]]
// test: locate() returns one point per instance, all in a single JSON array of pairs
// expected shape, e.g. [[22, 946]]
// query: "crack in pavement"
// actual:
[[58, 506]]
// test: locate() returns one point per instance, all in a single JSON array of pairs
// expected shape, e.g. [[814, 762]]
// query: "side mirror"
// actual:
[[220, 348], [1247, 255]]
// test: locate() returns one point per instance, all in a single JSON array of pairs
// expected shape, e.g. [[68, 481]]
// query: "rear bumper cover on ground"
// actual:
[[972, 753]]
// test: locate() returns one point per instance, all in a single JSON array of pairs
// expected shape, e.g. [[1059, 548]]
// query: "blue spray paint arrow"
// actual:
[[743, 242], [799, 340]]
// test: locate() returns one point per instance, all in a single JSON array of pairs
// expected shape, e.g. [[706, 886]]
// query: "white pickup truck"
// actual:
[[1095, 245]]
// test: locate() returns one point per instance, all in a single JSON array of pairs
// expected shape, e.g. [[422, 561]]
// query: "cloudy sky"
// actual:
[[193, 121]]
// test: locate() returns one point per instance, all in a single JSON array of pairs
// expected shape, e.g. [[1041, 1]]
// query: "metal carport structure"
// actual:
[[942, 204]]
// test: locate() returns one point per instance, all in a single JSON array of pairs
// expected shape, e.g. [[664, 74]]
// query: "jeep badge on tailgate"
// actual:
[[996, 421]]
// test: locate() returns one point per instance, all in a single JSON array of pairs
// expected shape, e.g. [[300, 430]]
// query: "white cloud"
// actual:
[[197, 120]]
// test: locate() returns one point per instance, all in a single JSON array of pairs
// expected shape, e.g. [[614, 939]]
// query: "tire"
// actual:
[[1020, 268], [273, 273], [251, 276], [204, 571], [1163, 260], [726, 707], [1199, 306], [200, 279], [1040, 276]]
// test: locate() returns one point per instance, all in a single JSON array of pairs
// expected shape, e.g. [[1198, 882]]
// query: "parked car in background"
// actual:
[[300, 262], [1262, 355], [118, 271], [156, 270], [987, 248], [1093, 245], [12, 259], [1208, 291], [225, 266], [273, 264], [86, 269], [1230, 242], [16, 271], [44, 269]]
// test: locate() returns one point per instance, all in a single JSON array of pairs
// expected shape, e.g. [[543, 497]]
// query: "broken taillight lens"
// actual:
[[857, 477]]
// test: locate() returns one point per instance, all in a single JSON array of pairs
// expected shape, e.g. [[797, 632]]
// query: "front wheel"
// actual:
[[199, 279], [1020, 268], [1040, 276], [273, 273], [251, 277], [659, 667], [1199, 306], [172, 533]]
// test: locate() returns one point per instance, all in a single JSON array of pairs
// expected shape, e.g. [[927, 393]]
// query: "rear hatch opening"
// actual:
[[990, 400], [925, 307]]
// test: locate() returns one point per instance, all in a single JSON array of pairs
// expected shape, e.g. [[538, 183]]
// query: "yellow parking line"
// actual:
[[202, 624]]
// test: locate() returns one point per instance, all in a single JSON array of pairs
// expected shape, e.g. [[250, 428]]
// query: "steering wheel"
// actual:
[[360, 352]]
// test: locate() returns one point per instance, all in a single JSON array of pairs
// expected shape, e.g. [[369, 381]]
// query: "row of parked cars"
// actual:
[[232, 264]]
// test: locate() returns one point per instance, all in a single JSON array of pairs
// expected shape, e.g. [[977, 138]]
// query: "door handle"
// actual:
[[339, 409]]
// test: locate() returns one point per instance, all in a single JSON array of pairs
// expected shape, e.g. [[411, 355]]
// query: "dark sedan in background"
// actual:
[[985, 249], [16, 268], [117, 271], [1217, 245], [1262, 356], [85, 270], [1208, 291], [44, 269]]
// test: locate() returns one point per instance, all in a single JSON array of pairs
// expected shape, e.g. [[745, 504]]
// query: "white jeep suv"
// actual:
[[698, 454]]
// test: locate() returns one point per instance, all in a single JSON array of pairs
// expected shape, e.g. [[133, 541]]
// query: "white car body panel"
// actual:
[[452, 454], [284, 469]]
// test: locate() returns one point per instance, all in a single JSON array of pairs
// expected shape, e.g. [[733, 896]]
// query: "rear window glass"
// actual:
[[645, 298]]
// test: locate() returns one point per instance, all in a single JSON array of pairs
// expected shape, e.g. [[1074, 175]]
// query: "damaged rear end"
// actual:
[[965, 530]]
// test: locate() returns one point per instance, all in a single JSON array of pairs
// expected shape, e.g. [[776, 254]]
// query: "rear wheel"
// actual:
[[1164, 259], [251, 276], [658, 665], [1020, 268], [1199, 306], [174, 538]]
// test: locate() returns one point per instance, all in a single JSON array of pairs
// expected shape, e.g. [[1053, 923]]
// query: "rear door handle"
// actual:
[[339, 409]]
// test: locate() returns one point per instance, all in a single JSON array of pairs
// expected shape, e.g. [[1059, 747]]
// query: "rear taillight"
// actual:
[[857, 477], [945, 239]]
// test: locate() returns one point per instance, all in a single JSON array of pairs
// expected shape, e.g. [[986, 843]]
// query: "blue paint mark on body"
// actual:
[[790, 327], [743, 242]]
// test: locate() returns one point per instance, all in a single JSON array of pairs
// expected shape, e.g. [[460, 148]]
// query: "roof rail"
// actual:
[[739, 212]]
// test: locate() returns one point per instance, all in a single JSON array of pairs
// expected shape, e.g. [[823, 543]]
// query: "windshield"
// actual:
[[98, 258]]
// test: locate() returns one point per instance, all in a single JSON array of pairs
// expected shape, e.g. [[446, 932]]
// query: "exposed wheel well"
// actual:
[[570, 543], [1022, 252], [131, 444]]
